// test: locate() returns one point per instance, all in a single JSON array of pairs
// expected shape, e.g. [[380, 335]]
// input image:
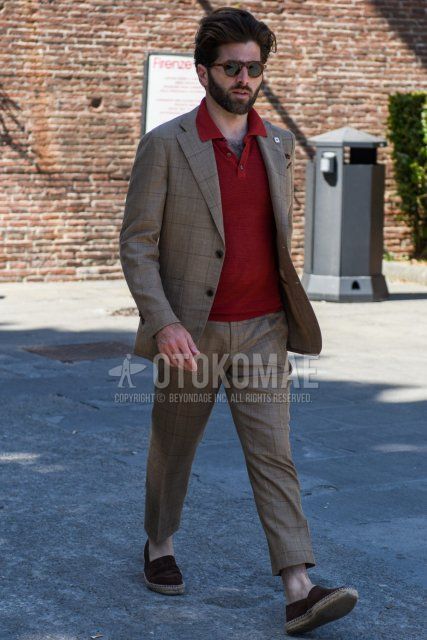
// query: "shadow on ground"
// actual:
[[72, 503]]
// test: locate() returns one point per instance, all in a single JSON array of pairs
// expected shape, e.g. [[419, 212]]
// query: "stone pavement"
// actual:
[[73, 467]]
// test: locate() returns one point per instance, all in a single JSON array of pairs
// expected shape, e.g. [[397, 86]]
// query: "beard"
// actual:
[[225, 98]]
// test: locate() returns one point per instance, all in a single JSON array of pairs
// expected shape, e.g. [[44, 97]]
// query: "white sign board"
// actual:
[[171, 87]]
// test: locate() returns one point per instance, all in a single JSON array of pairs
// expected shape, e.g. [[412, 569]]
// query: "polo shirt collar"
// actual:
[[208, 130]]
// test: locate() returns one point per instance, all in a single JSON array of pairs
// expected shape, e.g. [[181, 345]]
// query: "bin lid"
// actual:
[[347, 137]]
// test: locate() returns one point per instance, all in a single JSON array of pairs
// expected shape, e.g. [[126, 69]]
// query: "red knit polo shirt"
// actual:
[[249, 280]]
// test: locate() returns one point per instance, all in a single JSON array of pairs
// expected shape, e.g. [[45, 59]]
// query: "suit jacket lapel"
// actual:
[[273, 154], [201, 158]]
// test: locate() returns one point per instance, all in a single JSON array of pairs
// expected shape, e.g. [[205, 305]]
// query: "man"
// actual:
[[205, 249]]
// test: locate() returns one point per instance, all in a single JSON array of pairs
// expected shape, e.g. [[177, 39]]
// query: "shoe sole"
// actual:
[[330, 608], [165, 589]]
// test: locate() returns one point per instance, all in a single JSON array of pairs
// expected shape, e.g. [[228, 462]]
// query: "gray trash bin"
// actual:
[[344, 218]]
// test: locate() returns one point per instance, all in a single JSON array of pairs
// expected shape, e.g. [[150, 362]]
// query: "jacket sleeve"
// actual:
[[140, 231], [291, 208]]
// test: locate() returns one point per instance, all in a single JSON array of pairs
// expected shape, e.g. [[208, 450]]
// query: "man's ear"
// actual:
[[202, 74]]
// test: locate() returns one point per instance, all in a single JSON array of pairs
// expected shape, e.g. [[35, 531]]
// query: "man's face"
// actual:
[[225, 90]]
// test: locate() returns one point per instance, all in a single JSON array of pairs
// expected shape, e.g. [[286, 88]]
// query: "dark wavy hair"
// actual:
[[227, 25]]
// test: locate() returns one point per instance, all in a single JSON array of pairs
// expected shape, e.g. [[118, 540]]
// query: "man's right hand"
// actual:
[[177, 344]]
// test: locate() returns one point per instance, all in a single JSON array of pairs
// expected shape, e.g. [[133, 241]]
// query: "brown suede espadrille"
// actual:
[[162, 574], [321, 606]]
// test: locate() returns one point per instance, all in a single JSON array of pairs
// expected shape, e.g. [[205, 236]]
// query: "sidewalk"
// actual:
[[405, 270], [73, 471]]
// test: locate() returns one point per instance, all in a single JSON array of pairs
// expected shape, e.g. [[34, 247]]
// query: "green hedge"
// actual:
[[407, 132]]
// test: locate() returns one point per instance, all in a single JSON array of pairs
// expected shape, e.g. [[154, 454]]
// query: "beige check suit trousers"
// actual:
[[260, 413]]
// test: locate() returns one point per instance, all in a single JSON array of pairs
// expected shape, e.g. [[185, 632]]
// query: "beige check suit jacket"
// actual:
[[173, 227]]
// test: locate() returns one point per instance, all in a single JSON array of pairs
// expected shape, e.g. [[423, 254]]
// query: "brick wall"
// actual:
[[70, 100]]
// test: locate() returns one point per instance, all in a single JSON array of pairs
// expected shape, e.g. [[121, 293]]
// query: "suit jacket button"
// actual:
[[219, 253], [210, 292]]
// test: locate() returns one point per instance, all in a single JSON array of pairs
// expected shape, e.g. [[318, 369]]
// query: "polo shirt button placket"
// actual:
[[243, 159]]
